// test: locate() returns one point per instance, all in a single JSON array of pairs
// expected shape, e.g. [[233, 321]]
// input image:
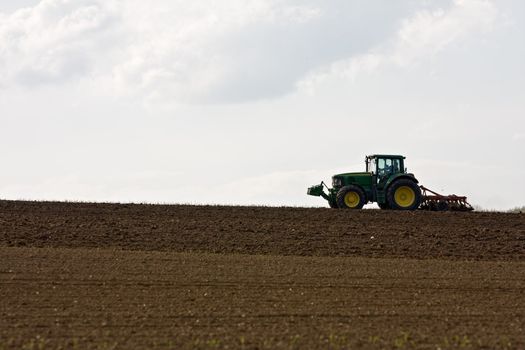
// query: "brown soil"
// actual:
[[260, 230], [101, 276]]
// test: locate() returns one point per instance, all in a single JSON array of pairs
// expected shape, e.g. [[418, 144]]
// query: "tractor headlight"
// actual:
[[336, 182]]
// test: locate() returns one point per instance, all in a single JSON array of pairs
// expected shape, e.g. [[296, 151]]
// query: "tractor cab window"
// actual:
[[371, 166], [387, 167], [396, 166], [384, 167]]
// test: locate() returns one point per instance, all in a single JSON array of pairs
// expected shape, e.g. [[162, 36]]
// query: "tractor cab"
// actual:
[[382, 167]]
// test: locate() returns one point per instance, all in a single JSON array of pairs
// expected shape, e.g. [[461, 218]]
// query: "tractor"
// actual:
[[387, 183]]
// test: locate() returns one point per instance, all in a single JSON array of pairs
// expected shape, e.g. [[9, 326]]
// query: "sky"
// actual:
[[252, 101]]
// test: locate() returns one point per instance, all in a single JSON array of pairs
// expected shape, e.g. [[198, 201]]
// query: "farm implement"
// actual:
[[438, 202], [387, 183]]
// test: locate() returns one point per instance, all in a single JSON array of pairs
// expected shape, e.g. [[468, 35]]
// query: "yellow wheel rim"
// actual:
[[405, 196], [352, 199]]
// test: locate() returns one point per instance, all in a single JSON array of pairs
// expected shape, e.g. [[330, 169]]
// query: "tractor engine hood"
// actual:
[[363, 173], [340, 179]]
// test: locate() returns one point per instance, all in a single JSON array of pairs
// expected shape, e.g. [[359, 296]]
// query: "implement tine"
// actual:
[[437, 201]]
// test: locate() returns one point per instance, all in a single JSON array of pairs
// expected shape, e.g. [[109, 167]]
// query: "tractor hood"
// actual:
[[362, 178], [352, 174]]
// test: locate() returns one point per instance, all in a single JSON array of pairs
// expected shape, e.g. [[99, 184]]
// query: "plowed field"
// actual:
[[108, 276]]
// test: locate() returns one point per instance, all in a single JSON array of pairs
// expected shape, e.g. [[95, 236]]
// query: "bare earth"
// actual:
[[101, 276]]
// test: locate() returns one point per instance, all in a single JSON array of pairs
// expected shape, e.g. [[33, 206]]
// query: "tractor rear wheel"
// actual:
[[404, 194], [351, 197]]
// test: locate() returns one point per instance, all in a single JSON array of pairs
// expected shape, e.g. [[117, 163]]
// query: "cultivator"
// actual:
[[434, 201]]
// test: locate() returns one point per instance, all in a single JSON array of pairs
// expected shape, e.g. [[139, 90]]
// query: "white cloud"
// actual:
[[54, 41], [203, 52], [182, 50], [421, 36], [428, 33], [199, 52], [519, 136]]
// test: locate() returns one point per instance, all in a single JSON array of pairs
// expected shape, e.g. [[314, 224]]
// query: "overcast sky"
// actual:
[[252, 101]]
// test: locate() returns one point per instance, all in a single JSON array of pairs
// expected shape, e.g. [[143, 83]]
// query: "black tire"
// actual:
[[383, 206], [402, 185], [344, 194]]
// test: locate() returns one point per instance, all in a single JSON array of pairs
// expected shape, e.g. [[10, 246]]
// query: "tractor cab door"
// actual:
[[386, 167]]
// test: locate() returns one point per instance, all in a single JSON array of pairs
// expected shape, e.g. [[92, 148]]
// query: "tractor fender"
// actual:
[[400, 176]]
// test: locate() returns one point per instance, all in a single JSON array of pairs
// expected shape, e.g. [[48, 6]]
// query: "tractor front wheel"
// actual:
[[351, 197], [404, 194]]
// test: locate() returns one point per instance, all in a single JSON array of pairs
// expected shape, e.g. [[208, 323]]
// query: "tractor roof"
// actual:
[[386, 156]]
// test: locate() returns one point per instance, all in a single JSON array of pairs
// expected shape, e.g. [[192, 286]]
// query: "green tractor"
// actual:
[[387, 183]]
